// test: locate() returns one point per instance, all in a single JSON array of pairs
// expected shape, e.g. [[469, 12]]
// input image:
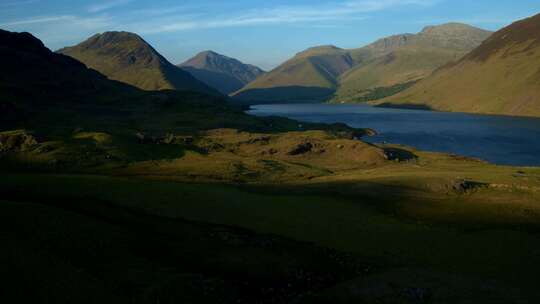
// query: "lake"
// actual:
[[503, 140]]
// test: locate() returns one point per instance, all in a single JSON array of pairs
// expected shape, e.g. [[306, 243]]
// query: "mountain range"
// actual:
[[501, 76], [128, 58], [224, 73], [329, 72], [450, 67]]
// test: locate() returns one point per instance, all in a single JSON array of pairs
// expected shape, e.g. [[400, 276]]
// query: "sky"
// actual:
[[260, 32]]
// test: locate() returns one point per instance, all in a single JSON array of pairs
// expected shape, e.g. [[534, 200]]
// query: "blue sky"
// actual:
[[260, 32]]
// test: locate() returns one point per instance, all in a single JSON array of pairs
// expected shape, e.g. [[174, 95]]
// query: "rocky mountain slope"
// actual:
[[221, 72], [126, 57], [501, 76]]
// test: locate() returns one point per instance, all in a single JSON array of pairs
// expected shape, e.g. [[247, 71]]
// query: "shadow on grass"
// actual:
[[143, 258]]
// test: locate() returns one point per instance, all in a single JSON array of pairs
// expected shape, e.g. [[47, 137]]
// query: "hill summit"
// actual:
[[221, 72], [128, 58]]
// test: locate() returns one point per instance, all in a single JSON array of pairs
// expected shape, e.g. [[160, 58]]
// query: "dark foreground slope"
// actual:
[[226, 74], [128, 58], [502, 76]]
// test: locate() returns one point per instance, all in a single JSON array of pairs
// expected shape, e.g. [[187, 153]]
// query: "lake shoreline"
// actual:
[[498, 139]]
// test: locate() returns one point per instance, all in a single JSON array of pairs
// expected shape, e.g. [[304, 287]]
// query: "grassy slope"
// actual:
[[405, 65], [404, 59], [351, 73], [500, 77], [314, 69]]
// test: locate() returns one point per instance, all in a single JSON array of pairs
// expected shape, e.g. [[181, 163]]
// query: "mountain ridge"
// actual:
[[501, 76], [348, 73]]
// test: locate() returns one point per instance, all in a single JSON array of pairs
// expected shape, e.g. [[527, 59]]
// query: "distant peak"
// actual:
[[321, 49], [448, 28], [112, 34], [212, 54], [113, 37], [209, 52], [324, 47]]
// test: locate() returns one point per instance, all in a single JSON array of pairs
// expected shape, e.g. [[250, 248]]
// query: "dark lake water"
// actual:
[[498, 139]]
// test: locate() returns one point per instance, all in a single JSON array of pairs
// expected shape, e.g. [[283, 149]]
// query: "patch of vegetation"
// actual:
[[377, 93]]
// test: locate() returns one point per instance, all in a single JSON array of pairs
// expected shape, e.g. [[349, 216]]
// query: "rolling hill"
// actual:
[[221, 72], [310, 76], [391, 63], [501, 76], [126, 57]]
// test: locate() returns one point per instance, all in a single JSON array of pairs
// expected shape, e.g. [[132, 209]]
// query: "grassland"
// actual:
[[367, 223]]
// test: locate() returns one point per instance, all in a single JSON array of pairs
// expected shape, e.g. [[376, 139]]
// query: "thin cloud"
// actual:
[[16, 3], [96, 8], [57, 31], [288, 14], [34, 20]]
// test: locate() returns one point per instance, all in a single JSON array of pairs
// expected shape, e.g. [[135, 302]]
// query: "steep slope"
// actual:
[[392, 63], [221, 72], [126, 57], [309, 76], [30, 71], [501, 76], [399, 61]]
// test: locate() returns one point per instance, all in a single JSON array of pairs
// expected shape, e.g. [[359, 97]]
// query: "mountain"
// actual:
[[221, 72], [31, 72], [310, 76], [501, 76], [126, 57], [392, 63], [399, 61]]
